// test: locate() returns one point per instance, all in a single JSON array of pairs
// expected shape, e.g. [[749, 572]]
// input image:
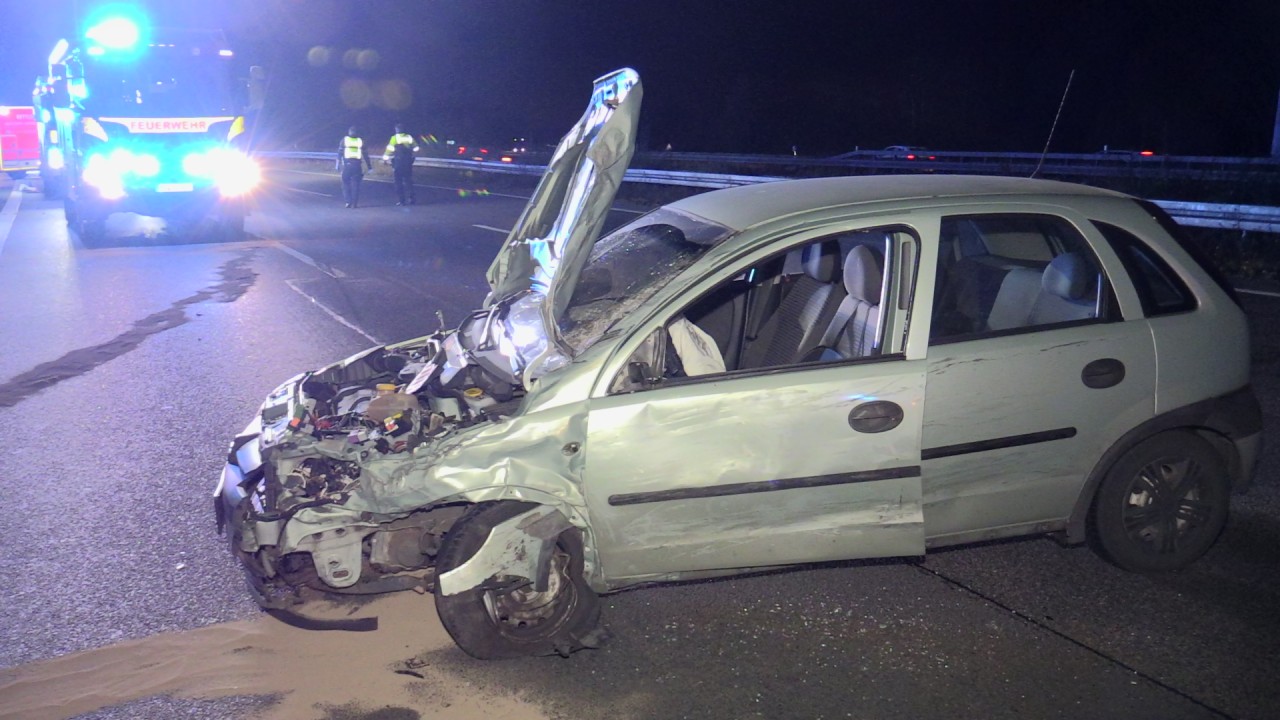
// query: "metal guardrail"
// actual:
[[1257, 218]]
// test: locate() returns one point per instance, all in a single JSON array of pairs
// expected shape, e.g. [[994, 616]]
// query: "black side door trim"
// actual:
[[997, 443], [710, 491]]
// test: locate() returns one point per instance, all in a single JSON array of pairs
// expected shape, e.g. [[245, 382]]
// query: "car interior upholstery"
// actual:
[[1066, 290], [819, 302], [808, 302], [979, 291], [852, 332]]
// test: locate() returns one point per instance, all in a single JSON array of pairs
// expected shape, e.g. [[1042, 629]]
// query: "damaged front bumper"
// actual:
[[347, 478]]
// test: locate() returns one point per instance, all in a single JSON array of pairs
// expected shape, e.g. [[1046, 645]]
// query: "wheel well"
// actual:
[[1078, 526]]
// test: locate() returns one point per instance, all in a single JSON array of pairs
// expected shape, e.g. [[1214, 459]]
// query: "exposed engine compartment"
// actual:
[[321, 437]]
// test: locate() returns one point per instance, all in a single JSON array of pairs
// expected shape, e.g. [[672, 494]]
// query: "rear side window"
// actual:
[[1179, 236], [1014, 272], [1159, 288]]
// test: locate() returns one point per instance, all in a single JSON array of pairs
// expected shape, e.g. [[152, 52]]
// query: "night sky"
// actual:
[[1174, 76]]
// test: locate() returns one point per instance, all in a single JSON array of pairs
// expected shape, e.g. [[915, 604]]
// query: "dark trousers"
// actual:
[[352, 174], [404, 182]]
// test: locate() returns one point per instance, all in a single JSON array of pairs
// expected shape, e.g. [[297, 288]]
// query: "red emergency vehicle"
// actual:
[[19, 141]]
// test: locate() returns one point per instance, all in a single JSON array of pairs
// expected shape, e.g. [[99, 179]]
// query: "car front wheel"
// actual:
[[1163, 504], [507, 617]]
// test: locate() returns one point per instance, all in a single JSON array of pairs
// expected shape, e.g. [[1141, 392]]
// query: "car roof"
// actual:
[[748, 205]]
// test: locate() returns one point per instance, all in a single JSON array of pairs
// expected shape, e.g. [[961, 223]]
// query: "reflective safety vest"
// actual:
[[401, 144], [352, 148]]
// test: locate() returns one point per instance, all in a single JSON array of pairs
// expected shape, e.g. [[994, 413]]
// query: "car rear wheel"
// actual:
[[507, 617], [1163, 504]]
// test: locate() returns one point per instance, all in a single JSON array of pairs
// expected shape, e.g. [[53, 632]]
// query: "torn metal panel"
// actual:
[[519, 547]]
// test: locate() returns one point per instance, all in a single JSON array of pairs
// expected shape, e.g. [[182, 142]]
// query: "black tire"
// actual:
[[518, 622], [92, 231], [1163, 504], [91, 227]]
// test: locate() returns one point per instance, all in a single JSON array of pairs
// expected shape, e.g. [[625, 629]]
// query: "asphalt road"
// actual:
[[125, 370]]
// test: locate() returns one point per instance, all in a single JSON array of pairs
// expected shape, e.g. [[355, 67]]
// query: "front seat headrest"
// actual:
[[819, 261], [863, 275], [1068, 276]]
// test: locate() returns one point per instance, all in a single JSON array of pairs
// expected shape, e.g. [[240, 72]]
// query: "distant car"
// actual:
[[1115, 152], [767, 375], [484, 153], [905, 152]]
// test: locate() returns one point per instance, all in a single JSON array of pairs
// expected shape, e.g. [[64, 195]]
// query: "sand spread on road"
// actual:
[[309, 670]]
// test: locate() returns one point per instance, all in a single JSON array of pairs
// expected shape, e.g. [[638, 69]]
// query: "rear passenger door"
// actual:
[[1032, 373]]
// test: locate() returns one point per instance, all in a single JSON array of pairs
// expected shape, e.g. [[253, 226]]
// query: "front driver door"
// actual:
[[767, 466]]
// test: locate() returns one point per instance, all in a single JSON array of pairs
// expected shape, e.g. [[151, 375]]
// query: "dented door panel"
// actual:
[[754, 471], [1011, 431]]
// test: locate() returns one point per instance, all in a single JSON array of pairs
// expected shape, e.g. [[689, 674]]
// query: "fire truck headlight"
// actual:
[[233, 172], [106, 174], [55, 159]]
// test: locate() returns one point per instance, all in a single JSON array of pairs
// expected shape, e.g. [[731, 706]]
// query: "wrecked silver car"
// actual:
[[767, 375]]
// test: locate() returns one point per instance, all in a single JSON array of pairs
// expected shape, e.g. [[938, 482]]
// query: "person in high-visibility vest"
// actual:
[[353, 158], [400, 154]]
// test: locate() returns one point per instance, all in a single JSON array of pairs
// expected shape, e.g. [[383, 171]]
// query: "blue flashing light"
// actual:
[[115, 33]]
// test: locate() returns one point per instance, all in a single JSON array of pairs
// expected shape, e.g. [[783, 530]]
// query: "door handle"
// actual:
[[1103, 373], [875, 417]]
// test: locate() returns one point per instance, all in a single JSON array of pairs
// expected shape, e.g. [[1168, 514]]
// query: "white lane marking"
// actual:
[[311, 192], [332, 272], [334, 315], [437, 187], [1264, 293], [9, 212], [490, 227]]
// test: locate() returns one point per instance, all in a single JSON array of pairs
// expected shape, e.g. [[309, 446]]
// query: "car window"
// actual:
[[817, 302], [1013, 272], [1159, 288], [1179, 235], [629, 265]]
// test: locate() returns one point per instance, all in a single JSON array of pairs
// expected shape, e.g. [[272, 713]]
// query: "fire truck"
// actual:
[[147, 120], [19, 141]]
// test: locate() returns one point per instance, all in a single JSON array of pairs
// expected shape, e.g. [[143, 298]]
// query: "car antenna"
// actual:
[[1055, 123]]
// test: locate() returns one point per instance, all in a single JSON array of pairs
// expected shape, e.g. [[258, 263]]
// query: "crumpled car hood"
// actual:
[[550, 243]]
